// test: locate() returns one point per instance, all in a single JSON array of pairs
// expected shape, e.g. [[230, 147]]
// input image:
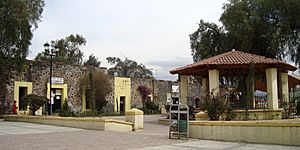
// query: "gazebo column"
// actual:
[[271, 76], [285, 86], [183, 89], [204, 85], [213, 81]]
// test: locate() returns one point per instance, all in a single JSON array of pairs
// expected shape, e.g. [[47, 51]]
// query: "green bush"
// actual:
[[96, 114], [215, 105], [34, 102], [4, 107], [65, 110], [151, 107]]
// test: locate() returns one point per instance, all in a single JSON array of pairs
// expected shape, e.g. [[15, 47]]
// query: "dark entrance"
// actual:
[[22, 93], [57, 100], [122, 104], [175, 100]]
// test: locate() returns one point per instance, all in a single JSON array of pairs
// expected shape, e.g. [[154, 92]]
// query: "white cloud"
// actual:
[[161, 68]]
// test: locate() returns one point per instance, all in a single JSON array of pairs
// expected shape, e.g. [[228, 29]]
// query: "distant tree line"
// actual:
[[69, 52]]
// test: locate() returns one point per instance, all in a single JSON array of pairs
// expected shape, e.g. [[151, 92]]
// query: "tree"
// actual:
[[92, 61], [269, 28], [127, 68], [207, 41], [144, 92], [65, 110], [68, 50], [18, 19], [34, 102], [96, 87]]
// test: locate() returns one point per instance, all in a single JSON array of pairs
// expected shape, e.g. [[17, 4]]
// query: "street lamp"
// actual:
[[51, 53]]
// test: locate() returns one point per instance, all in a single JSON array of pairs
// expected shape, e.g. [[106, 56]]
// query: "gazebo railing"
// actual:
[[260, 102]]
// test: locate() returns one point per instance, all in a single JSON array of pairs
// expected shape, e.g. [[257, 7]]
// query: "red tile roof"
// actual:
[[232, 58], [293, 80]]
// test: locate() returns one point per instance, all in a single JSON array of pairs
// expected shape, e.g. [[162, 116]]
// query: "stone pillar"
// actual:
[[183, 89], [285, 86], [136, 117], [271, 76], [213, 81], [204, 84]]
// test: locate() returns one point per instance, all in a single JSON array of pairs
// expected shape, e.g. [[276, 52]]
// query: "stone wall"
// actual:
[[159, 90], [136, 99], [38, 73]]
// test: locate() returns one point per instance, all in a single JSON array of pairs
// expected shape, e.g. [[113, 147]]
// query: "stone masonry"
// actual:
[[38, 74]]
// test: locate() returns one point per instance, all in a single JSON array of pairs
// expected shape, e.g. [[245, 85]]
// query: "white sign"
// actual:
[[57, 80], [175, 88]]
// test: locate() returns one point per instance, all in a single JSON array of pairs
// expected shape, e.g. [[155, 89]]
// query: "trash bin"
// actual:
[[178, 121], [182, 126]]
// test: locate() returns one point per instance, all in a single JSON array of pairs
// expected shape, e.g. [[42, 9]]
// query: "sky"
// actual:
[[152, 32]]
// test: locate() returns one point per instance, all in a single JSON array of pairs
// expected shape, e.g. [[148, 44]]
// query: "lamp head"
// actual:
[[46, 48], [56, 50]]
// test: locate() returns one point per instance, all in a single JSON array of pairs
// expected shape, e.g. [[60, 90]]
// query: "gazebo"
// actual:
[[237, 63]]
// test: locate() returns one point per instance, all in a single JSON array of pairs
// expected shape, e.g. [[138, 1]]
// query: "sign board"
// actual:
[[57, 80], [175, 89]]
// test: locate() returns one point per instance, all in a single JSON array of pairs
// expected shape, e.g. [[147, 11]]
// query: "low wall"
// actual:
[[268, 132], [257, 114], [84, 123], [164, 121]]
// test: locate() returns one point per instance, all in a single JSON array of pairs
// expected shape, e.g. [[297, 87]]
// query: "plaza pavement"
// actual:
[[28, 136]]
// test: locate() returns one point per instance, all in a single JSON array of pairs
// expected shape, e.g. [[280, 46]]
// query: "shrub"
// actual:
[[65, 110], [151, 107], [298, 107], [289, 109], [167, 107], [4, 107], [96, 114], [34, 102], [215, 105], [144, 92]]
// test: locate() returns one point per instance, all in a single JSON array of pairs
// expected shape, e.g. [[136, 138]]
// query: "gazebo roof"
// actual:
[[292, 79], [233, 59]]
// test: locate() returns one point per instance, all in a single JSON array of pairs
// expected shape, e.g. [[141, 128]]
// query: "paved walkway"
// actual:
[[19, 136]]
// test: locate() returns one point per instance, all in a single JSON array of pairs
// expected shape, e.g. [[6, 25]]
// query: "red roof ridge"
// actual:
[[235, 57]]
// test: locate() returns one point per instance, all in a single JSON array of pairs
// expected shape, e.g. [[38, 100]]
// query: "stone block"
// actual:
[[136, 117], [201, 116]]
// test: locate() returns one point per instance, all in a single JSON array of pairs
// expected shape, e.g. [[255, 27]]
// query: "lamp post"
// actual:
[[51, 53]]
